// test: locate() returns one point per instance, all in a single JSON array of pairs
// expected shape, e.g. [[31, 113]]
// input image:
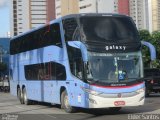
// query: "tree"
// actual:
[[154, 39], [3, 67], [145, 36], [156, 42]]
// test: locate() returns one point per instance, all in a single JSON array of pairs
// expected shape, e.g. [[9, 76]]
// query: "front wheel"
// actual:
[[65, 103]]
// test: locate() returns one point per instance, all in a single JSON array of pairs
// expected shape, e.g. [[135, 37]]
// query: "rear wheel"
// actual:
[[26, 100], [65, 103], [20, 96]]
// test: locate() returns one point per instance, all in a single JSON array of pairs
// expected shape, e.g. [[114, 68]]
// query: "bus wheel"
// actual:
[[26, 100], [20, 96], [65, 103], [115, 109]]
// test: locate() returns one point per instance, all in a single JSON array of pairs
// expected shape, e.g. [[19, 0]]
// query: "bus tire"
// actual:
[[26, 100], [20, 96], [65, 103]]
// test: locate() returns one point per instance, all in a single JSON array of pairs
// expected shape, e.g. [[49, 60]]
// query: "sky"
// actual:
[[4, 18]]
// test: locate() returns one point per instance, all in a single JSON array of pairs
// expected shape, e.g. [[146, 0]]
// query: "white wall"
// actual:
[[100, 6], [11, 18], [150, 15], [25, 16], [91, 9], [106, 6]]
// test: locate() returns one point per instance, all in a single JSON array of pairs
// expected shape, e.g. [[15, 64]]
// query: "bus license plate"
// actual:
[[119, 103]]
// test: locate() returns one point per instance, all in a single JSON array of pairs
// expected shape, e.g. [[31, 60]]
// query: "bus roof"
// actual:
[[93, 14], [70, 16]]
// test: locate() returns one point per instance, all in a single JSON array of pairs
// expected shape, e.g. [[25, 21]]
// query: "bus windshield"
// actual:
[[108, 29], [121, 67]]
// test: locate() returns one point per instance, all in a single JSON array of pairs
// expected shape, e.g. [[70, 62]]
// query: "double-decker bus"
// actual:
[[79, 60]]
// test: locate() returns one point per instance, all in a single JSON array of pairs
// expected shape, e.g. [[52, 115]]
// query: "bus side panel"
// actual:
[[44, 91], [14, 79], [77, 97], [13, 87], [49, 91], [34, 90]]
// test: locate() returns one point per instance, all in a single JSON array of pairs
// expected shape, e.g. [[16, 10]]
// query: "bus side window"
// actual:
[[56, 34], [45, 71], [50, 36], [71, 30], [60, 72], [75, 60]]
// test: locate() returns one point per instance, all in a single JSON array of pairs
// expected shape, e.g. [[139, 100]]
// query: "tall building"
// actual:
[[155, 14], [123, 7], [152, 15], [28, 14], [64, 7], [138, 13], [97, 6], [147, 12]]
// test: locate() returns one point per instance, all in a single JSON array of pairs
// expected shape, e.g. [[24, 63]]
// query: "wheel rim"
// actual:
[[66, 103], [25, 96]]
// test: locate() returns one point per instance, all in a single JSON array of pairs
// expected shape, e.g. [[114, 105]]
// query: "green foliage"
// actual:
[[156, 42], [145, 36], [153, 38], [3, 67]]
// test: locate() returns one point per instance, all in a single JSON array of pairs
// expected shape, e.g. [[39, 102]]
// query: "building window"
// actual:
[[58, 14], [85, 6]]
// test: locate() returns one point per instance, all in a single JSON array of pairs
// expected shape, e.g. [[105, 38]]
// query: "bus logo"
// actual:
[[119, 95], [115, 47]]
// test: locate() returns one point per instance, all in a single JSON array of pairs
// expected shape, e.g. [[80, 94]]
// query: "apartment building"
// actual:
[[29, 14], [98, 6], [155, 15], [64, 7], [139, 12], [123, 7]]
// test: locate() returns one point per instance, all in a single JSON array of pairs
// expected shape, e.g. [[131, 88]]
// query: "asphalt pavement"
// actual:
[[11, 109]]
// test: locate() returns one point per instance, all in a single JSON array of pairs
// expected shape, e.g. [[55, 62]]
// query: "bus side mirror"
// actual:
[[81, 46], [152, 49]]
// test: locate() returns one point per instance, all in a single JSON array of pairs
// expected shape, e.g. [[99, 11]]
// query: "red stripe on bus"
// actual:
[[114, 87]]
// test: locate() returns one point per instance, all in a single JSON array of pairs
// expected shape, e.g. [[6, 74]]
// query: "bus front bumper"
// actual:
[[102, 102]]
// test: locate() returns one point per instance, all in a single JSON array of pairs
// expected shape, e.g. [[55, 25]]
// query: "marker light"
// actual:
[[91, 91]]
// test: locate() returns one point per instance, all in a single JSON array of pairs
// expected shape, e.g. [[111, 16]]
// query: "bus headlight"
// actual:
[[91, 91], [140, 90]]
